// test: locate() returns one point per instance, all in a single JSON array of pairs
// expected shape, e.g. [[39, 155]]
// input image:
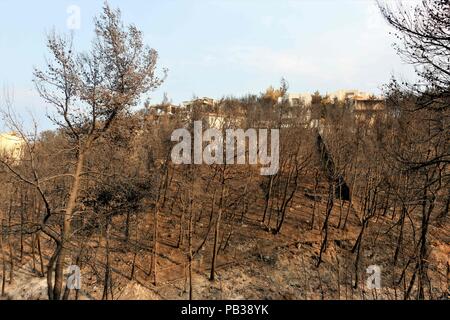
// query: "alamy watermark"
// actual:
[[228, 150], [73, 21], [74, 278], [374, 280]]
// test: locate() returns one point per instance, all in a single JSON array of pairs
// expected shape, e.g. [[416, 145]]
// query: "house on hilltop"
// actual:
[[11, 146]]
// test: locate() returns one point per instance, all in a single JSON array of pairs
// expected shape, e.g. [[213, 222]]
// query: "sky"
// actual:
[[215, 48]]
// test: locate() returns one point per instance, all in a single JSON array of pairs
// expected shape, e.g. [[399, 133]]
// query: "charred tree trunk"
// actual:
[[216, 230], [190, 255], [2, 248], [316, 185], [107, 285], [65, 233], [324, 231], [267, 198]]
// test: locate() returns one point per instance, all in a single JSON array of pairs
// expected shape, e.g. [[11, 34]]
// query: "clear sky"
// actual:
[[217, 47]]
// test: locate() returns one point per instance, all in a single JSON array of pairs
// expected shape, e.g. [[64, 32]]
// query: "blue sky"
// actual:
[[217, 47]]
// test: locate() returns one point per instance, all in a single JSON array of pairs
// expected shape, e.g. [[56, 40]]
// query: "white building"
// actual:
[[215, 120], [342, 95], [299, 99], [11, 145], [305, 99], [199, 102]]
